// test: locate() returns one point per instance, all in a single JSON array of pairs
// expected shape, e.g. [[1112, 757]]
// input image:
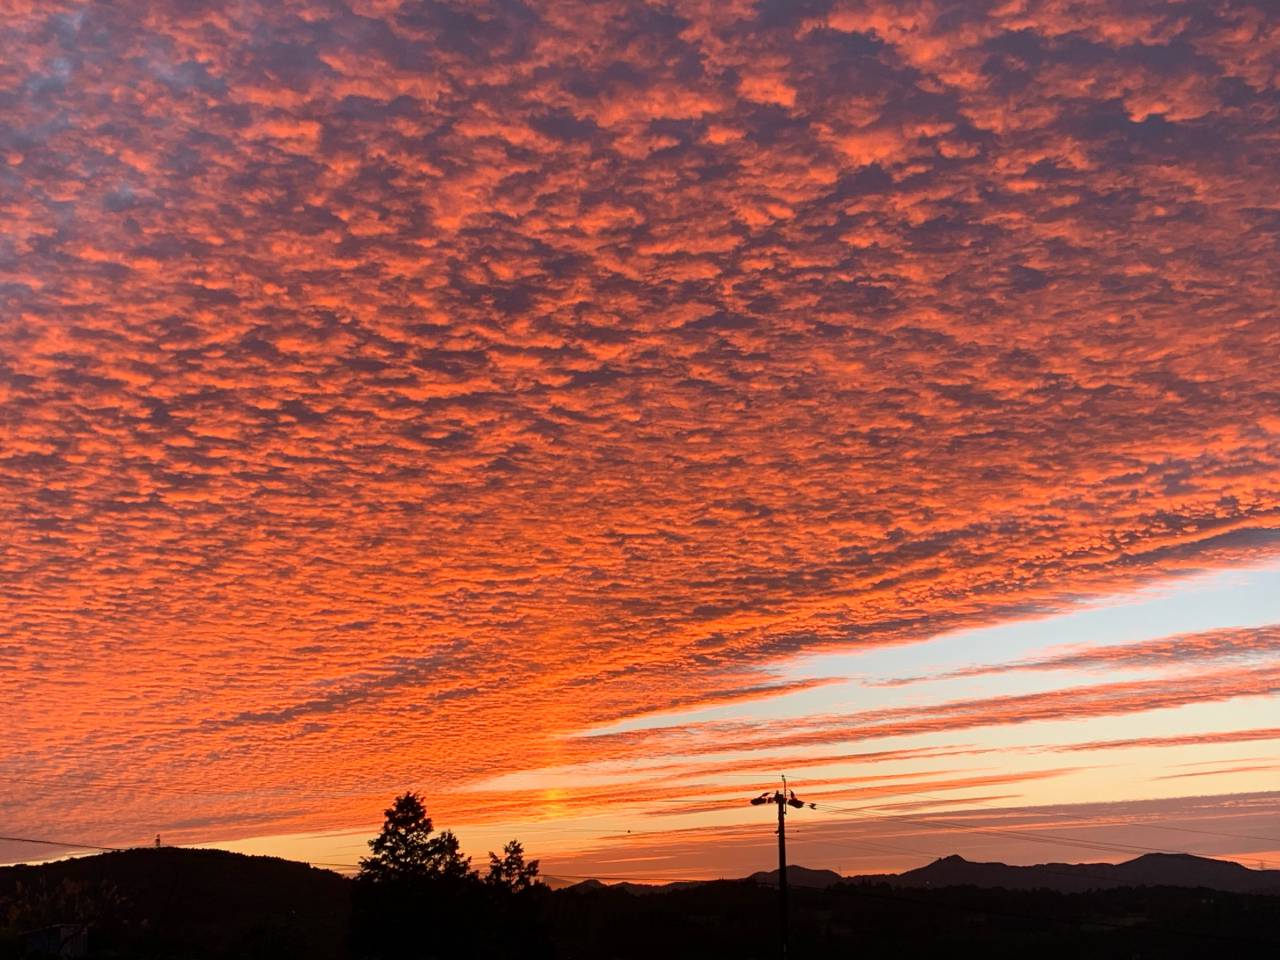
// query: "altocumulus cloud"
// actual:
[[610, 348]]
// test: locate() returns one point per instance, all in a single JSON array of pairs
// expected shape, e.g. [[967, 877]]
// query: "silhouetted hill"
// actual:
[[1185, 870], [184, 903], [798, 877], [1152, 869], [177, 904], [585, 885]]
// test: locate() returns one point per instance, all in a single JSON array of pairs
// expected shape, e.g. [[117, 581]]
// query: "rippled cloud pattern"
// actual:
[[392, 391]]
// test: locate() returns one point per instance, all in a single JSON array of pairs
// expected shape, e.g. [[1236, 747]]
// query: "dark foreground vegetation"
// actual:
[[417, 897]]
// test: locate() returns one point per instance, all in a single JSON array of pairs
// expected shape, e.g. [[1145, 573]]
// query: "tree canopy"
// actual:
[[417, 898], [510, 870], [406, 848]]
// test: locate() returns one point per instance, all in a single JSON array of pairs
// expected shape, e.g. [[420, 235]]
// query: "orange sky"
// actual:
[[392, 394]]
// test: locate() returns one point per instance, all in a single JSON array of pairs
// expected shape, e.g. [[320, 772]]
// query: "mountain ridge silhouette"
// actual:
[[1147, 870], [206, 904]]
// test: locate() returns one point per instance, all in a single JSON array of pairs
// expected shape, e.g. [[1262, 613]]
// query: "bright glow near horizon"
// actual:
[[1241, 598]]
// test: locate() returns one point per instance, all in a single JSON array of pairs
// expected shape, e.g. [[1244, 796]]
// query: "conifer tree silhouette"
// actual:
[[417, 898], [510, 870], [407, 849]]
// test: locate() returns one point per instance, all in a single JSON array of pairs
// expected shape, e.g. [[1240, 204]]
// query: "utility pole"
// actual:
[[782, 798]]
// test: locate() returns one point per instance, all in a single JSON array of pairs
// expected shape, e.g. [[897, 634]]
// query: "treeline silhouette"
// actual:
[[417, 897]]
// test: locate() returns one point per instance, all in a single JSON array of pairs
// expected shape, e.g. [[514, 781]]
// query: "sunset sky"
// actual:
[[586, 413]]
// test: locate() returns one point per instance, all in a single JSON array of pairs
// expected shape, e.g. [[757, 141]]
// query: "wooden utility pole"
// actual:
[[782, 798]]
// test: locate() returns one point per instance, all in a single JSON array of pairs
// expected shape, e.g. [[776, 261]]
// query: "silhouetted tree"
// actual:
[[405, 849], [518, 905], [416, 895], [510, 871]]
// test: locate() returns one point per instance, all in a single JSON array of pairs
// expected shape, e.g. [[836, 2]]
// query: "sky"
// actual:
[[586, 414]]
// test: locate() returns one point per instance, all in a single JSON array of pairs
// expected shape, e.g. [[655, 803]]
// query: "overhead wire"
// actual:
[[61, 843], [1033, 836], [1132, 822], [871, 812]]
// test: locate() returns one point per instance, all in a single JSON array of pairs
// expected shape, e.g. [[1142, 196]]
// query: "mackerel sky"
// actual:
[[585, 413]]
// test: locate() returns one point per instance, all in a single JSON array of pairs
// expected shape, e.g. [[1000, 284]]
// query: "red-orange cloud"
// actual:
[[391, 390]]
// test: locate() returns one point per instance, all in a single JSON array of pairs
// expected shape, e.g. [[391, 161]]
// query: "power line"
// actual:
[[1106, 847], [1131, 822], [1040, 868], [850, 843], [866, 813], [61, 843]]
